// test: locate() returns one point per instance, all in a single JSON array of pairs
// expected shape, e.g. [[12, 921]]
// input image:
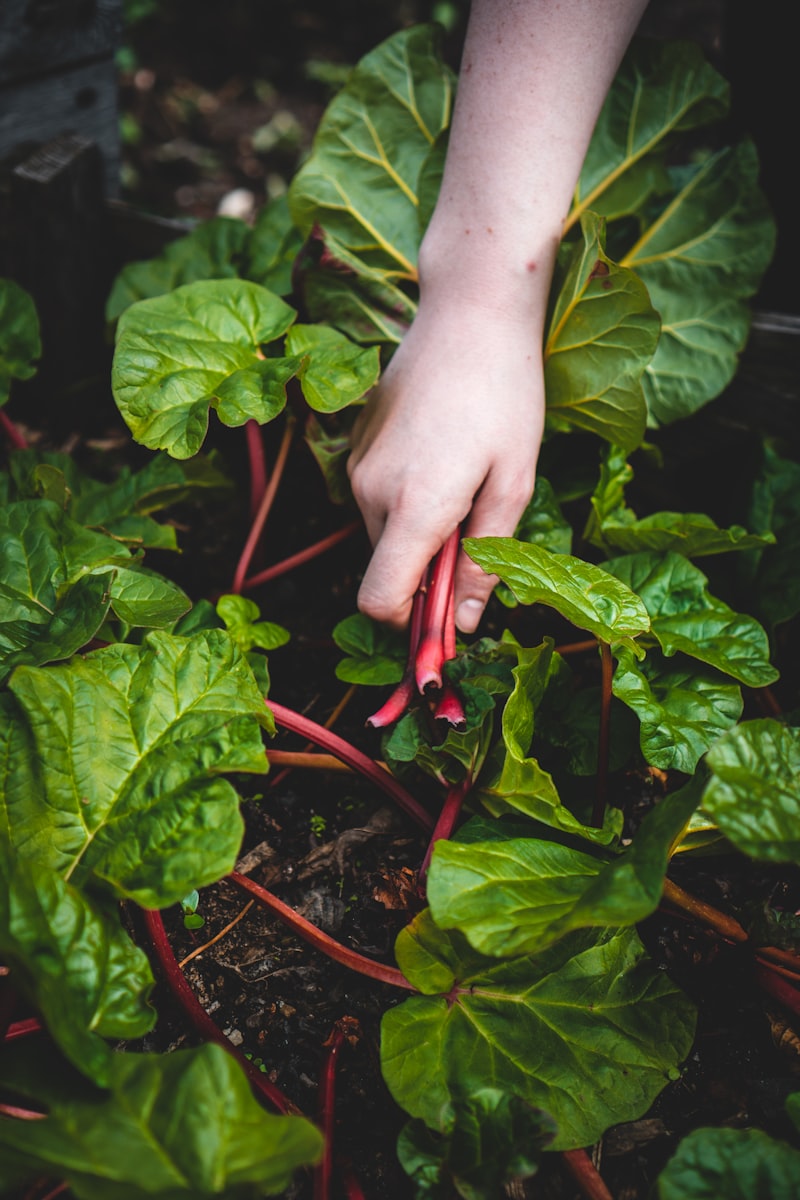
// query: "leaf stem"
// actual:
[[431, 653], [329, 723], [454, 801], [302, 556], [326, 1114], [585, 1174], [260, 518], [403, 694], [603, 743], [12, 433], [305, 758], [319, 940], [576, 647], [258, 464], [327, 740], [199, 1017], [449, 706], [24, 1028]]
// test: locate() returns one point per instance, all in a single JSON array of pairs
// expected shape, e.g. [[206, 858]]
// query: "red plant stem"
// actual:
[[576, 647], [58, 1190], [200, 1018], [327, 1111], [454, 801], [319, 940], [12, 433], [304, 758], [449, 707], [327, 740], [24, 1028], [585, 1174], [258, 464], [777, 987], [21, 1114], [607, 673], [302, 556], [431, 653], [352, 1188], [768, 702], [259, 520], [404, 693]]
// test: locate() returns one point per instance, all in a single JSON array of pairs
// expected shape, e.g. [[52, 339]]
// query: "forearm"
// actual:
[[534, 75]]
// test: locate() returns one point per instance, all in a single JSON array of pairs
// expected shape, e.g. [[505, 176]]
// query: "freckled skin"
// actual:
[[451, 434]]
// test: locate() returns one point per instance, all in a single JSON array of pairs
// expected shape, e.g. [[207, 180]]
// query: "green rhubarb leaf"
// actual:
[[198, 348], [335, 371], [487, 1139], [692, 534], [682, 709], [773, 574], [213, 250], [170, 1126], [544, 524], [574, 588], [150, 817], [660, 90], [730, 1164], [685, 617], [20, 341], [272, 247], [520, 896], [595, 353], [360, 182], [701, 259], [375, 654], [77, 614], [144, 599], [72, 961], [753, 794], [588, 1031], [241, 620]]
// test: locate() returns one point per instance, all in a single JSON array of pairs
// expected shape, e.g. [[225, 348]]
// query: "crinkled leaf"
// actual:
[[519, 896], [360, 181], [72, 960], [753, 793], [544, 524], [691, 534], [575, 588], [241, 620], [588, 1031], [20, 341], [662, 88], [730, 1164], [487, 1139], [331, 449], [150, 817], [700, 260], [198, 348], [335, 371], [602, 335], [144, 599], [77, 615], [686, 617], [169, 1126], [375, 654], [683, 709]]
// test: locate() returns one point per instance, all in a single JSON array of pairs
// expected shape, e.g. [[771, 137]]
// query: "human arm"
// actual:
[[451, 434]]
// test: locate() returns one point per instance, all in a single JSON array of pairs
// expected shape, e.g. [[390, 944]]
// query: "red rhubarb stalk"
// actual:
[[454, 802], [24, 1028], [585, 1174], [449, 707], [319, 940], [258, 464], [302, 556], [200, 1018], [257, 527], [431, 652], [12, 433], [327, 1106], [327, 740], [404, 693]]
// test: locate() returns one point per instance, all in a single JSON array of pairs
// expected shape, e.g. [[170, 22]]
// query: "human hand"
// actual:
[[450, 435]]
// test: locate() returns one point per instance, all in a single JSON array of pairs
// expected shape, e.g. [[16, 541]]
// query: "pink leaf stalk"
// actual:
[[405, 691], [431, 653], [454, 801]]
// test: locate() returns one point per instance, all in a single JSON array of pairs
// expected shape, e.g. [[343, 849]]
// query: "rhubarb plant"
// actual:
[[532, 1017]]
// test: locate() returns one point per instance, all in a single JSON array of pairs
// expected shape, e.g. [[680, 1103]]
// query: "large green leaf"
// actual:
[[71, 959], [487, 1139], [20, 342], [685, 617], [575, 588], [588, 1031], [172, 1127], [701, 258], [335, 372], [122, 787], [360, 182], [521, 895], [602, 335], [683, 709], [213, 250], [145, 599], [661, 89], [753, 793], [730, 1164], [198, 348]]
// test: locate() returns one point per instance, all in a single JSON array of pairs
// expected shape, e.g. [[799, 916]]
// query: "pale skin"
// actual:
[[451, 435]]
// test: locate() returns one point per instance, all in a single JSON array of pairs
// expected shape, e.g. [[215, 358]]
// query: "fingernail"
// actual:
[[468, 614]]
